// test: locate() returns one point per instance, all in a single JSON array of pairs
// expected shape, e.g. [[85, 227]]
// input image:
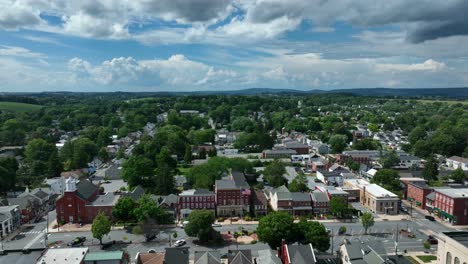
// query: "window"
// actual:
[[457, 261], [448, 259]]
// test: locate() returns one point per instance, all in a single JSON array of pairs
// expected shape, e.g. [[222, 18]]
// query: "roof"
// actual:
[[109, 199], [454, 192], [259, 198], [239, 179], [330, 174], [354, 251], [243, 256], [63, 255], [207, 257], [320, 197], [373, 258], [136, 193], [378, 191], [192, 192], [39, 193], [431, 196], [295, 144], [177, 255], [301, 254], [4, 217], [85, 189], [101, 256], [300, 196], [460, 237], [279, 151], [225, 184], [267, 256], [459, 159], [150, 258]]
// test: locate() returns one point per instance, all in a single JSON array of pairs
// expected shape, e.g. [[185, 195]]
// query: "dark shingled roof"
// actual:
[[177, 255], [301, 254], [85, 189], [207, 257], [239, 179]]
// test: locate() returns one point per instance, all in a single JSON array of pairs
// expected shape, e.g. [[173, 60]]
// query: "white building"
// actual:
[[456, 162], [452, 248]]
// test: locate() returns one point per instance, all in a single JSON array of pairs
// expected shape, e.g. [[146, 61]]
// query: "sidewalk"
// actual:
[[74, 227]]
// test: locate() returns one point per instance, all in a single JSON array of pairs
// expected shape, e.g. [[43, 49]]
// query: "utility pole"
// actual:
[[396, 241], [331, 233]]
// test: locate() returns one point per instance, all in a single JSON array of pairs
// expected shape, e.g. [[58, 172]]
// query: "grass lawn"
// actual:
[[412, 260], [19, 107], [428, 258]]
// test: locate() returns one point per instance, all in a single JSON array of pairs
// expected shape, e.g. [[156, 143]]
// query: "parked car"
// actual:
[[216, 225], [78, 241], [430, 218], [179, 243], [432, 240]]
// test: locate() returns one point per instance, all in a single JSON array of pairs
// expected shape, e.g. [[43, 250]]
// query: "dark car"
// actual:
[[430, 218], [78, 241], [432, 240]]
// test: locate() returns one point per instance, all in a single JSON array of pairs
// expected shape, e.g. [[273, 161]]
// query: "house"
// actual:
[[319, 147], [408, 162], [320, 202], [180, 181], [297, 254], [150, 258], [452, 248], [233, 195], [110, 172], [318, 164], [338, 193], [330, 178], [207, 257], [259, 203], [10, 219], [56, 185], [356, 253], [297, 146], [430, 202], [417, 192], [267, 256], [109, 257], [80, 202], [278, 153], [338, 168], [450, 204], [190, 200], [63, 255], [135, 194], [456, 162], [168, 202], [243, 256], [295, 203]]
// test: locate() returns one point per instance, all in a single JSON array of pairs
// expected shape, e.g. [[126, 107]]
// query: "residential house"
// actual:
[[180, 181], [56, 185], [456, 162], [63, 255], [319, 147], [297, 146], [28, 206], [417, 192], [319, 164], [259, 203], [10, 219], [178, 255], [135, 194], [207, 257], [330, 178], [150, 258], [451, 205], [408, 162], [297, 254], [243, 256], [190, 200], [233, 195], [452, 248], [320, 202], [168, 202], [109, 257], [356, 253], [295, 203]]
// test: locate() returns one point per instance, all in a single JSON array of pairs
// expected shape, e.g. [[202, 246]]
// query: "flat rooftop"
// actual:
[[63, 255], [454, 192], [460, 237], [379, 192]]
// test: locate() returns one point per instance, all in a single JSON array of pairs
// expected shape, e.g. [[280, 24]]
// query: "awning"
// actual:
[[418, 203], [446, 215]]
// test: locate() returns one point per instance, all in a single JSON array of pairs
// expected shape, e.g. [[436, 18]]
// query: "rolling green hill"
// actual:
[[18, 107]]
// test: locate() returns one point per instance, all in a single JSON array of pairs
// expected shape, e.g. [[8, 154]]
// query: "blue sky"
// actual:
[[187, 45]]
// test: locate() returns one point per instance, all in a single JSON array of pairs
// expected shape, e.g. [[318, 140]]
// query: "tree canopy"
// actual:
[[101, 226], [274, 172]]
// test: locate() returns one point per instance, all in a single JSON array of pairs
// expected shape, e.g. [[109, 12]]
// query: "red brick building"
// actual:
[[451, 205], [233, 195], [190, 200], [417, 192], [81, 202]]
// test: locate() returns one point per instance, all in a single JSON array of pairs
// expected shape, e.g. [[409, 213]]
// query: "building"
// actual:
[[267, 256], [320, 202], [417, 192], [207, 257], [168, 202], [355, 253], [451, 205], [330, 178], [295, 203], [379, 200], [81, 202], [297, 254], [233, 195], [456, 162], [297, 146], [192, 199], [405, 181], [150, 258], [452, 248], [259, 203], [278, 153], [10, 219], [178, 255], [63, 255], [110, 257]]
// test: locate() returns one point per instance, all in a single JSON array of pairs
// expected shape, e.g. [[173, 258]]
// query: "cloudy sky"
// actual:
[[182, 45]]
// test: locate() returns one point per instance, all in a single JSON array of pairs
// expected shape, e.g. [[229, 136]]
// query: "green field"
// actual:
[[427, 101], [428, 258], [18, 107]]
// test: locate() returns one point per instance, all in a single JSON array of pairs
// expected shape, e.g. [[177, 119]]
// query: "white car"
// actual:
[[179, 243], [215, 225]]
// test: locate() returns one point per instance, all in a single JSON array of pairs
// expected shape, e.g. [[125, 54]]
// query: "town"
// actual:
[[233, 179]]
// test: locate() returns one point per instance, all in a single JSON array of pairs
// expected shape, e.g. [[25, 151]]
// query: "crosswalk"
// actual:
[[33, 232]]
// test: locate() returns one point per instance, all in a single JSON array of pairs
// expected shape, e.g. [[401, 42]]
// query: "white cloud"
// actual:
[[15, 14], [19, 52], [428, 65]]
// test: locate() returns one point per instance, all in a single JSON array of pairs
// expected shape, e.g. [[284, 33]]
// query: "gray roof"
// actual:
[[300, 197], [109, 199], [239, 179], [267, 256], [85, 189], [431, 196], [295, 144], [207, 257], [301, 254], [354, 251], [225, 185], [461, 237], [177, 255], [243, 256], [22, 202], [318, 196], [4, 217], [39, 193], [373, 258], [280, 151]]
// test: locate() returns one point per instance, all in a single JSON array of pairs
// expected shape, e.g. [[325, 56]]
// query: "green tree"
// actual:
[[200, 225], [339, 206], [84, 150], [274, 227], [418, 133], [104, 137], [54, 165], [148, 209], [366, 144], [315, 233], [165, 173], [101, 226], [103, 155], [188, 154], [123, 209], [458, 176], [431, 169], [274, 173], [338, 143], [367, 221], [8, 168], [137, 170], [299, 184], [388, 179], [389, 159]]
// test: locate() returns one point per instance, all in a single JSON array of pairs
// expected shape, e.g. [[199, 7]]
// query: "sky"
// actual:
[[198, 45]]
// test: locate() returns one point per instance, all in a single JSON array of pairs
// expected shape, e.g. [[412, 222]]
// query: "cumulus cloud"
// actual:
[[17, 14], [428, 65]]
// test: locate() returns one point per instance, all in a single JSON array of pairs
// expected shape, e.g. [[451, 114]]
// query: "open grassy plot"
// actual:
[[18, 107], [428, 258]]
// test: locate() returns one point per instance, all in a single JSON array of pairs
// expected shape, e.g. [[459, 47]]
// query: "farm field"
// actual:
[[18, 107]]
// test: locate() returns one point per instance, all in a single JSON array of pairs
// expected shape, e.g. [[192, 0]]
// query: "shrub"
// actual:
[[427, 245], [342, 230], [221, 219], [248, 218], [137, 230], [253, 242]]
